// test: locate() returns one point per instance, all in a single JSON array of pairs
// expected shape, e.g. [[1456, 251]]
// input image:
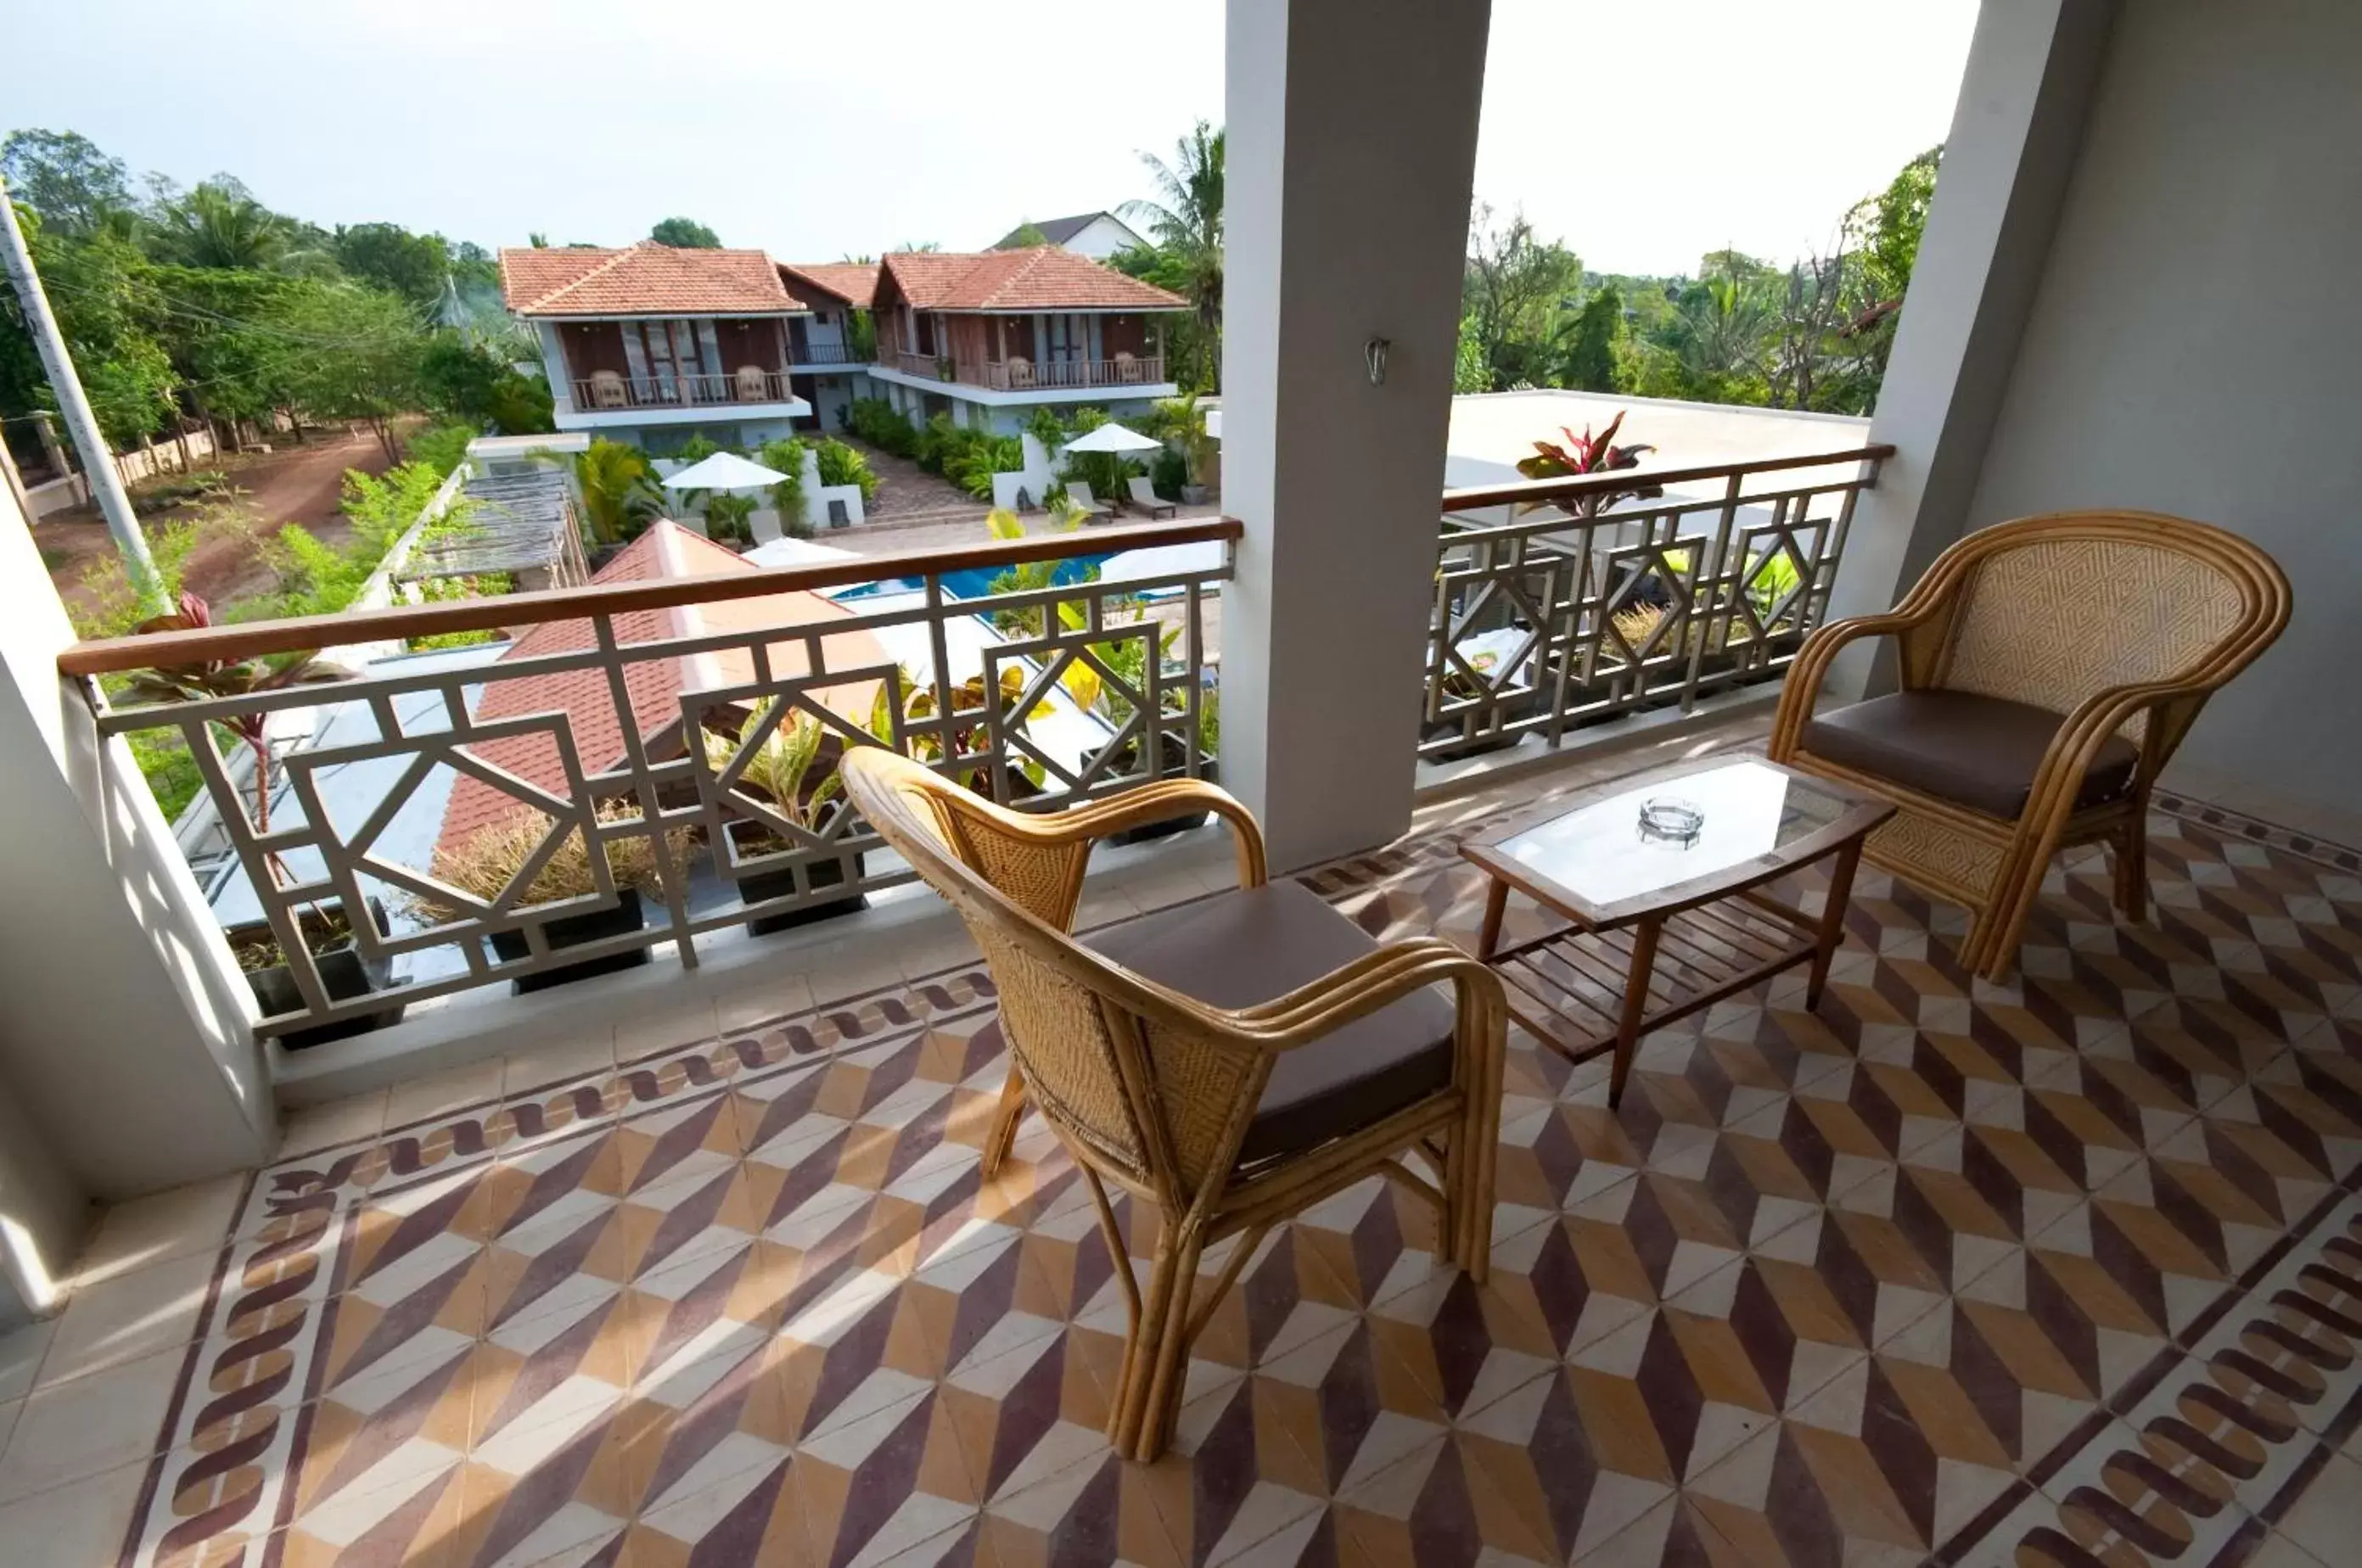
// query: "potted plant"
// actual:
[[1588, 454], [328, 933], [344, 972], [483, 865], [782, 767], [1181, 420]]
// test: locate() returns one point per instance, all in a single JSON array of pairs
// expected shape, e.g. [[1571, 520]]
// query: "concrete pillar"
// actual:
[[126, 1031], [1351, 149], [2033, 67]]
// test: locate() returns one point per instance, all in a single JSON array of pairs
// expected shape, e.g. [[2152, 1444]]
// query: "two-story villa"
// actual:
[[984, 337], [655, 345]]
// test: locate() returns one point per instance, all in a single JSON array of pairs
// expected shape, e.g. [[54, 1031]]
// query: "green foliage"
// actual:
[[884, 426], [374, 370], [844, 465], [1470, 373], [318, 578], [442, 446], [1592, 344], [698, 448], [1511, 293], [1027, 576], [220, 225], [64, 178], [1027, 234], [727, 517], [687, 233], [110, 607], [781, 762], [460, 376], [1185, 220], [617, 489], [171, 771], [967, 456], [417, 267], [1045, 426], [1167, 472], [786, 456]]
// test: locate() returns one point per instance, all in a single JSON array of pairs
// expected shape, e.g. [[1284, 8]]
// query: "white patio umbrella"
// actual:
[[1113, 438], [796, 553], [1161, 560], [724, 471]]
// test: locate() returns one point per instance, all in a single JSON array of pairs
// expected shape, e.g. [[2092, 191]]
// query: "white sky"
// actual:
[[1643, 136]]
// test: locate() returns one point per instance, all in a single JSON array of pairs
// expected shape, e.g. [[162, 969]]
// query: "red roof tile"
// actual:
[[666, 550], [1042, 278], [854, 282], [644, 279]]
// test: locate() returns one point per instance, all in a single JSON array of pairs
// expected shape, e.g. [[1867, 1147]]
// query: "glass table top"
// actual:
[[1744, 811]]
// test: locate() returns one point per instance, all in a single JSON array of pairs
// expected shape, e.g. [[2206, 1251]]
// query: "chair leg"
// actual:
[[2131, 850], [1133, 1383], [1471, 1202], [1159, 1404], [1005, 1117]]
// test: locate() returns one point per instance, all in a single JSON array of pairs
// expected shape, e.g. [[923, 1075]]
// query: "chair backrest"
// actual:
[[1140, 1077], [1021, 370], [2051, 609], [1080, 494], [607, 389], [1143, 492], [752, 383]]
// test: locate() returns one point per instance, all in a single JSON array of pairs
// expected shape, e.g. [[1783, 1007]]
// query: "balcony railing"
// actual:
[[1011, 377], [1562, 602], [824, 353], [598, 394], [1086, 704]]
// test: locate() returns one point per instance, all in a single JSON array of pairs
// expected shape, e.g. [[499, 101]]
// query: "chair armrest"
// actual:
[[1375, 980], [1160, 802], [1801, 687]]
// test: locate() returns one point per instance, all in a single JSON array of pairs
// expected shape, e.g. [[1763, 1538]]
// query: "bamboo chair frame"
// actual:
[[2227, 601], [1153, 1091]]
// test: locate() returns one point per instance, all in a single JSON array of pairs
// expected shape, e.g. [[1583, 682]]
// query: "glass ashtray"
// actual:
[[1667, 820]]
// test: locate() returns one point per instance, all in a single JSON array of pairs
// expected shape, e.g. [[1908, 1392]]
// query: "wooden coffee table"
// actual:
[[1658, 926]]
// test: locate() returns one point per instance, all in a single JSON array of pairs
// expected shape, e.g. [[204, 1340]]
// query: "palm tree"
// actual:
[[616, 486], [220, 223], [1187, 221]]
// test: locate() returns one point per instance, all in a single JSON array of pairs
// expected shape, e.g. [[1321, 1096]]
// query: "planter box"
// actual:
[[764, 885], [344, 974], [573, 931]]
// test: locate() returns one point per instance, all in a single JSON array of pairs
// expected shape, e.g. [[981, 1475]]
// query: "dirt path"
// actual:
[[293, 484], [907, 492]]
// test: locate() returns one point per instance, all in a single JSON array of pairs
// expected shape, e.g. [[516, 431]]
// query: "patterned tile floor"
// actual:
[[2062, 1272]]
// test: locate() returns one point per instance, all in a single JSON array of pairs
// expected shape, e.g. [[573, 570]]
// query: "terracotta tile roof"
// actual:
[[854, 282], [643, 279], [666, 550], [1042, 278]]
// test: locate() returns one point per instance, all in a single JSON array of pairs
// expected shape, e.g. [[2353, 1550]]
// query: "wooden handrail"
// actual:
[[1530, 492], [251, 639]]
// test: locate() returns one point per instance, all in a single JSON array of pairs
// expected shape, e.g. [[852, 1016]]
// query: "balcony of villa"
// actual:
[[610, 391], [665, 370], [1142, 373]]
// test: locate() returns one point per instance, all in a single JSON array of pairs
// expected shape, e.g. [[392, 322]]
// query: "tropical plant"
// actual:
[[727, 516], [782, 762], [1588, 454], [1167, 472], [841, 465], [1185, 220], [441, 447], [482, 864], [220, 223], [617, 489], [1030, 576], [1511, 291], [785, 456], [884, 426], [212, 679], [1045, 426], [686, 232], [1181, 420]]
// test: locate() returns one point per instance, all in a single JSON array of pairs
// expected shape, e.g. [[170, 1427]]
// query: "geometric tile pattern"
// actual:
[[2063, 1271]]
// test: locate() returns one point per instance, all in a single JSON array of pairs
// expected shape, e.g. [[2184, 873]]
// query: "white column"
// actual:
[[1351, 146], [2033, 67], [126, 1031]]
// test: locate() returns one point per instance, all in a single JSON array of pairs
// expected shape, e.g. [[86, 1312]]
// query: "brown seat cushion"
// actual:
[[1240, 949], [1977, 752]]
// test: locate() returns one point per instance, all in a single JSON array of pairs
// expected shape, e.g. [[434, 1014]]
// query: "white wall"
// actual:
[[126, 1031], [2193, 348]]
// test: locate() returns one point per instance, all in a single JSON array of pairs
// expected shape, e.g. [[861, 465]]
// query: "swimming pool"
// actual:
[[974, 582]]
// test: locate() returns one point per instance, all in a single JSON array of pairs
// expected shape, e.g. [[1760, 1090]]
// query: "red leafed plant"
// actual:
[[1588, 454], [215, 678]]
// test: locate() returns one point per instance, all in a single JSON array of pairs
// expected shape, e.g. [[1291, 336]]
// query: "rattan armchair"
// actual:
[[1174, 1099], [2049, 668]]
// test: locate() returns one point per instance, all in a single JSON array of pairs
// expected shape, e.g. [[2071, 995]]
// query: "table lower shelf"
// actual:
[[1568, 987]]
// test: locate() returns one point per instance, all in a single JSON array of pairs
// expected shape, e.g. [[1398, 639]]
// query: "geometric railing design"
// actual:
[[648, 720], [1560, 603]]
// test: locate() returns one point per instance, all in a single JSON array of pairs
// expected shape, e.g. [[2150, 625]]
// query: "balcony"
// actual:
[[608, 393], [1020, 376], [824, 353]]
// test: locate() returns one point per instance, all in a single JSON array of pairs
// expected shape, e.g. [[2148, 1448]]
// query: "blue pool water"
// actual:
[[972, 584]]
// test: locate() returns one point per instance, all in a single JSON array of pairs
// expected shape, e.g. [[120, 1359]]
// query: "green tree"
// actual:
[[618, 490], [112, 317], [362, 354], [220, 223], [1185, 221], [1593, 340], [686, 232], [464, 378], [1511, 293], [66, 179], [1028, 234], [415, 266]]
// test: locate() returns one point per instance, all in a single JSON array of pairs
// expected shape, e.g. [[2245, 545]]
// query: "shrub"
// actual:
[[1045, 426], [1167, 472], [482, 864], [884, 426], [843, 464], [786, 456], [726, 515], [442, 446]]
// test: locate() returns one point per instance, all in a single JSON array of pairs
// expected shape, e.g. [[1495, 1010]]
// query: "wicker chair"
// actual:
[[1229, 1062], [2049, 668]]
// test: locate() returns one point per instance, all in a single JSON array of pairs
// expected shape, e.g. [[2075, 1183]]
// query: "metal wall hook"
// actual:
[[1373, 355]]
